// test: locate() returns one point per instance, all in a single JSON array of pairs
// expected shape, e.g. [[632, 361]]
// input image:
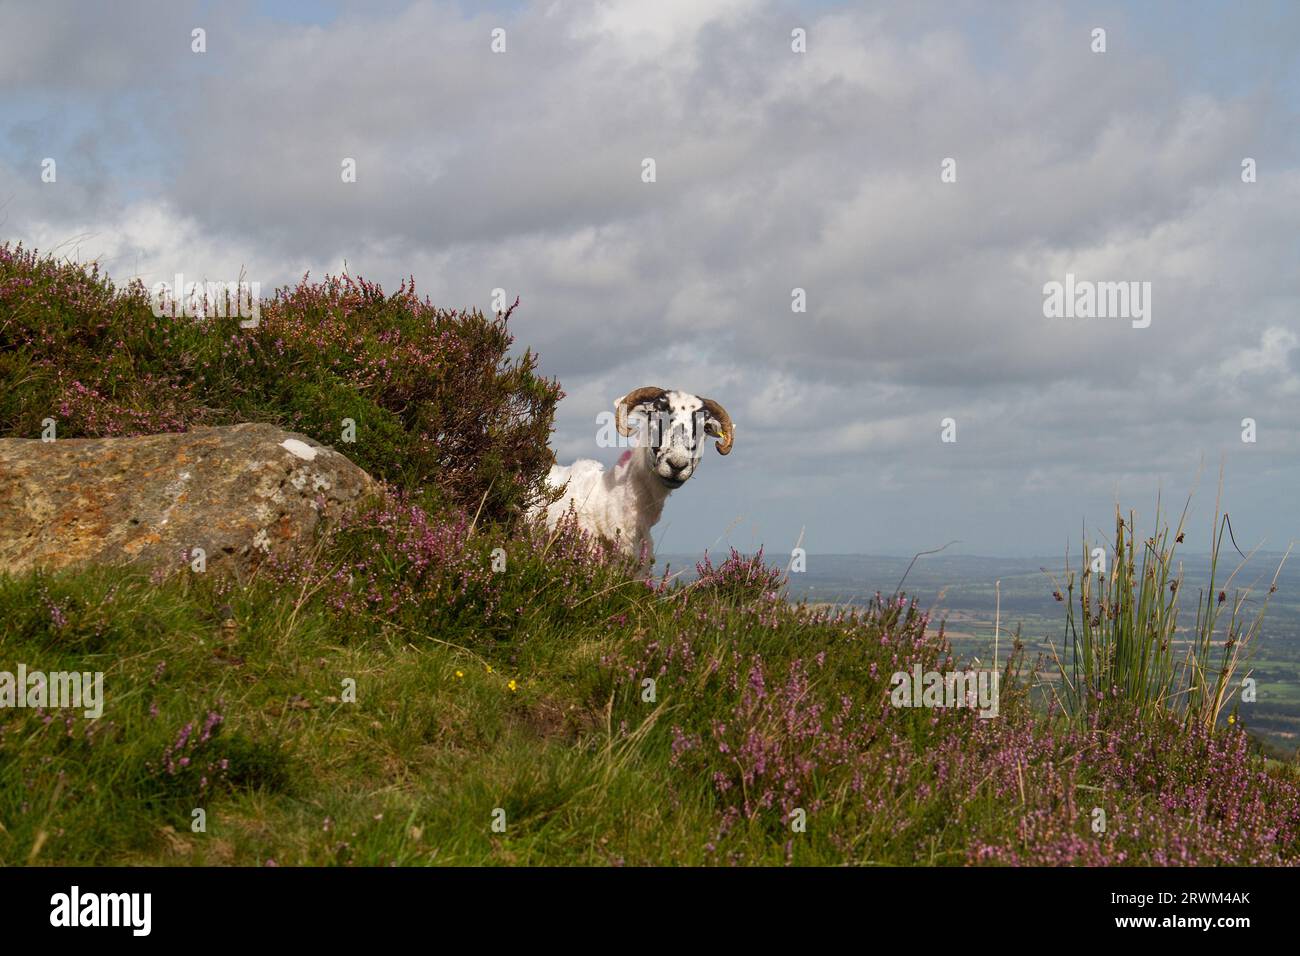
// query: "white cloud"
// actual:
[[776, 170]]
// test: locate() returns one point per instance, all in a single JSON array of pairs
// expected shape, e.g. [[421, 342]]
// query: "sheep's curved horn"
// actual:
[[728, 436], [631, 400]]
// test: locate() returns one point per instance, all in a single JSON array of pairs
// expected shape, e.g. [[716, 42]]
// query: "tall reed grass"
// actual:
[[1125, 640]]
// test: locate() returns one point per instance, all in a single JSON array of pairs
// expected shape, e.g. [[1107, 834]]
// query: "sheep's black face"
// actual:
[[678, 425]]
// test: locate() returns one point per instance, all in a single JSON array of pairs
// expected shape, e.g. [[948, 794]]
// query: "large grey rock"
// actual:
[[240, 493]]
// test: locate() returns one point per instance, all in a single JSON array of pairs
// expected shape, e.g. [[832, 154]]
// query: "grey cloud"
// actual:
[[774, 171]]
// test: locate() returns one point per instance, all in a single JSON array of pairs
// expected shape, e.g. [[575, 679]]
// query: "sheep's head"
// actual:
[[677, 425]]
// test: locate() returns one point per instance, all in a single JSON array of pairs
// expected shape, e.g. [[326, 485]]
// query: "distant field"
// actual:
[[960, 589]]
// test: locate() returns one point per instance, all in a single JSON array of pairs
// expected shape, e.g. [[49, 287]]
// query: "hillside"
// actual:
[[406, 697], [960, 590]]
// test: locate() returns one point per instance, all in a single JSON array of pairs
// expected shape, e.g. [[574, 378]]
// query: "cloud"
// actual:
[[775, 170]]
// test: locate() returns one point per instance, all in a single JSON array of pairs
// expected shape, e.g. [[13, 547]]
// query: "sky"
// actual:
[[775, 170]]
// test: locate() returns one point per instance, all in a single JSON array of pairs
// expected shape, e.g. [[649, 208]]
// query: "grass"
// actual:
[[398, 695], [758, 708]]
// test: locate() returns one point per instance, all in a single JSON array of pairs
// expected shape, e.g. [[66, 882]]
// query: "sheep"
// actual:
[[622, 505]]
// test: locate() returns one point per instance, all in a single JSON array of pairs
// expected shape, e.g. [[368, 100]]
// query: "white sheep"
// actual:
[[624, 503]]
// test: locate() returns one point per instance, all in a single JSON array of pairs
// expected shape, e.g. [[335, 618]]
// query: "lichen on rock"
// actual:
[[240, 493]]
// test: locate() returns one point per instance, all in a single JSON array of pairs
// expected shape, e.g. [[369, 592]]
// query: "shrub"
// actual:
[[201, 760], [740, 578], [397, 564], [440, 408]]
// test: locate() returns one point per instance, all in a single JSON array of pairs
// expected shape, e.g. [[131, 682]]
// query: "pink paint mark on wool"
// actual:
[[625, 458]]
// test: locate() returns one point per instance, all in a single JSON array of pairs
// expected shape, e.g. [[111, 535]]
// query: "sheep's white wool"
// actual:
[[299, 448], [623, 504]]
